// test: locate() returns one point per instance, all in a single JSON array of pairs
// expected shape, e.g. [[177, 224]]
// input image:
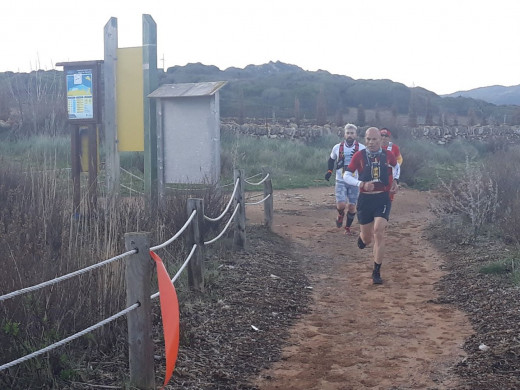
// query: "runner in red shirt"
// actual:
[[390, 146], [374, 166]]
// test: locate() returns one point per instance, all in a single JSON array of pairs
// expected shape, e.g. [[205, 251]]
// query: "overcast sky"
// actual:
[[441, 45]]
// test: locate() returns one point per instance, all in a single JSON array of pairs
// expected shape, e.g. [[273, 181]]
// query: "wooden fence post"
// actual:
[[239, 238], [196, 236], [92, 166], [139, 269], [268, 204], [75, 170]]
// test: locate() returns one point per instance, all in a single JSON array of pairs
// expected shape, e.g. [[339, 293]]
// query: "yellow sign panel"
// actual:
[[130, 100], [85, 145]]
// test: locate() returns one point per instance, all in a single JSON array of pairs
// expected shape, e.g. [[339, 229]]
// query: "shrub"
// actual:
[[503, 168], [473, 195]]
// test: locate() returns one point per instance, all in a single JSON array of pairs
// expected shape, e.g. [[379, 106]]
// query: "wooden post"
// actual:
[[268, 203], [196, 236], [150, 84], [92, 166], [161, 185], [239, 238], [75, 148], [110, 108], [139, 269]]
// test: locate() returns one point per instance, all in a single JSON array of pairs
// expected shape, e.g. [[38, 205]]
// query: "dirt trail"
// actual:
[[357, 335]]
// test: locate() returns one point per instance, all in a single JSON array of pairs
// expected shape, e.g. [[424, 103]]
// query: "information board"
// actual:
[[80, 93]]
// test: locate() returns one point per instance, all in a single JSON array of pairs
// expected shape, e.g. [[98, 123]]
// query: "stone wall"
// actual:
[[445, 134], [288, 131], [438, 134]]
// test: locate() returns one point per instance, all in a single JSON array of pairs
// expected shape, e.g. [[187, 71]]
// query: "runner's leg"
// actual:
[[367, 232], [341, 201], [379, 239], [352, 197]]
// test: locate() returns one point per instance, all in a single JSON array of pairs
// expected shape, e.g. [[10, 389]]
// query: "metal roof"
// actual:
[[187, 89]]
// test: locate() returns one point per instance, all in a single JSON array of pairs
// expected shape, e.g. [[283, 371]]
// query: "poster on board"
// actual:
[[80, 94]]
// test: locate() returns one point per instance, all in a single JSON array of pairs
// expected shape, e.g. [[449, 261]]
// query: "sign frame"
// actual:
[[82, 77]]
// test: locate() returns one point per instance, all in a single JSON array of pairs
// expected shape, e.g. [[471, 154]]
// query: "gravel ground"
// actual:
[[491, 302]]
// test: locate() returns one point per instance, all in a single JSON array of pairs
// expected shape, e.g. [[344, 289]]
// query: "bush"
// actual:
[[473, 195], [503, 168]]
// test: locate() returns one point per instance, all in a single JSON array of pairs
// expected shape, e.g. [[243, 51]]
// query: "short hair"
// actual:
[[350, 126]]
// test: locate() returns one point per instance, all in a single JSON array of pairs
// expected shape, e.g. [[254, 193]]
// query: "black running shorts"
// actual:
[[370, 206]]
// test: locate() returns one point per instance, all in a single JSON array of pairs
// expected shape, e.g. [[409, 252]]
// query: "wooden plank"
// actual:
[[195, 236], [75, 158], [139, 268], [268, 203], [112, 163], [151, 82], [92, 166], [239, 237]]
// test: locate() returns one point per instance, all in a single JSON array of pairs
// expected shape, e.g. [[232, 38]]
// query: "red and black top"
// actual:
[[374, 167]]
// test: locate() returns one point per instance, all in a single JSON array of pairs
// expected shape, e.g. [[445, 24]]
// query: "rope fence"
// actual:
[[69, 339], [227, 207], [260, 201], [131, 174], [225, 227], [137, 245], [64, 277], [177, 235], [260, 182]]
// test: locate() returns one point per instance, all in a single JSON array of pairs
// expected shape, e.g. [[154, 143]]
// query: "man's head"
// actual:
[[373, 139], [385, 137], [350, 133]]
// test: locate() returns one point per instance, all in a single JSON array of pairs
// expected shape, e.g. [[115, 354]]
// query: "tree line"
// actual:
[[35, 103]]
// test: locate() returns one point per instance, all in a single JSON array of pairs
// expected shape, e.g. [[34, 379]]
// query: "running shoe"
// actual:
[[339, 221], [348, 231], [376, 277], [360, 243]]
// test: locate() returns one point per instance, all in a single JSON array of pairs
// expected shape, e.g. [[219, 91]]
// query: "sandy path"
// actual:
[[357, 335]]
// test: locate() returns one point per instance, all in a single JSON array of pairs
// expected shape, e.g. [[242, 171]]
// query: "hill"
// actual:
[[280, 90], [33, 103], [496, 94]]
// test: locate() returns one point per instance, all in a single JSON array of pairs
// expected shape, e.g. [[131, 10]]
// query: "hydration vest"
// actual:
[[375, 169], [340, 164]]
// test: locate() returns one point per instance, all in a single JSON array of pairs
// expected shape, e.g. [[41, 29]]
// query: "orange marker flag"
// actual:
[[170, 316]]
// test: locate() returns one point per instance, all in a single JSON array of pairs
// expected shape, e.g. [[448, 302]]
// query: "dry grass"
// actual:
[[41, 240]]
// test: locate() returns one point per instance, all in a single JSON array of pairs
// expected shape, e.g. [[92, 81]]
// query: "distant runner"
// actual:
[[374, 165], [340, 156], [391, 147]]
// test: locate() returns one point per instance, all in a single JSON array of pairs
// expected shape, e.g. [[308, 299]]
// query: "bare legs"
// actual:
[[375, 231]]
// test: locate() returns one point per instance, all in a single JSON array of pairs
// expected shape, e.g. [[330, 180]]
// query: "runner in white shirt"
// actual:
[[345, 194]]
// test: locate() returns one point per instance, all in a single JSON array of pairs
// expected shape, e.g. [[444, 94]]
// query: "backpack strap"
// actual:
[[341, 156]]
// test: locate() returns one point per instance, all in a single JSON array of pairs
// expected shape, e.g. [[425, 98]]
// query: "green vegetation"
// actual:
[[37, 149], [509, 266], [293, 164]]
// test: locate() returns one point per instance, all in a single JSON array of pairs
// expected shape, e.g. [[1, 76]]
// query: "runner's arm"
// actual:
[[396, 171], [331, 164], [398, 155], [350, 179]]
